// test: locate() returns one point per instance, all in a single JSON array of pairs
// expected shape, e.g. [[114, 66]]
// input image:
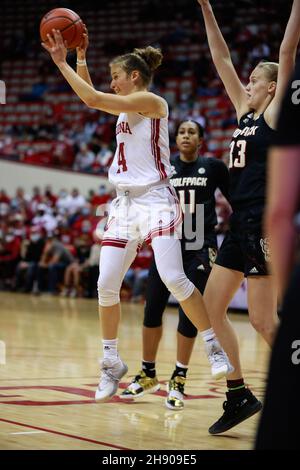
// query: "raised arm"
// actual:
[[139, 102], [82, 69], [287, 55], [222, 60], [282, 205]]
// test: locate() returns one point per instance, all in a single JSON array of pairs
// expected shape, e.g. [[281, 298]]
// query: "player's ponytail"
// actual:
[[144, 60], [151, 55]]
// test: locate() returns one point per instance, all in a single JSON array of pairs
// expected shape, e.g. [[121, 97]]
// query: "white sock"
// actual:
[[208, 335], [182, 366], [110, 348]]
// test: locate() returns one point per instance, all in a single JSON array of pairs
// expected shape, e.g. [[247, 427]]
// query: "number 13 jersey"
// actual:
[[247, 162], [142, 156]]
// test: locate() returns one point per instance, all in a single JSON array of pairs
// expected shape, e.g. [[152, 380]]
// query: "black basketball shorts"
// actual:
[[245, 249]]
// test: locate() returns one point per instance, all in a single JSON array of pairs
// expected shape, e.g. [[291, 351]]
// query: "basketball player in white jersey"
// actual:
[[146, 207]]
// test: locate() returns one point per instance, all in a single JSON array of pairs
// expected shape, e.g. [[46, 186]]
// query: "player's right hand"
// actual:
[[82, 48]]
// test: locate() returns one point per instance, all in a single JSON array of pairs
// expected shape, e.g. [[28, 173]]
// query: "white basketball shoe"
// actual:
[[112, 370], [220, 365]]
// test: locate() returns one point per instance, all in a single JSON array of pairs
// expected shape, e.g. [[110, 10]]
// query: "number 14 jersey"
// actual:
[[247, 162], [142, 156]]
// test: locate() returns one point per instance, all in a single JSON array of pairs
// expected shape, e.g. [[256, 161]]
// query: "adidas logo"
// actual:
[[254, 271], [201, 267]]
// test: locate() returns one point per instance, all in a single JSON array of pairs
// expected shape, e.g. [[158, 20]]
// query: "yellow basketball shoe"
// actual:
[[140, 385], [174, 400]]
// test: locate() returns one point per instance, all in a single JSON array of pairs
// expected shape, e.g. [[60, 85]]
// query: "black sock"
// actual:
[[181, 371], [236, 386], [149, 369]]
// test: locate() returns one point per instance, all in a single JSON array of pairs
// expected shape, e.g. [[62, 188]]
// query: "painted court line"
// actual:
[[71, 436], [28, 432]]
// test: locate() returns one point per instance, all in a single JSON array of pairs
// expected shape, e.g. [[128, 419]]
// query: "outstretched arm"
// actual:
[[222, 60], [82, 69], [140, 102], [287, 55]]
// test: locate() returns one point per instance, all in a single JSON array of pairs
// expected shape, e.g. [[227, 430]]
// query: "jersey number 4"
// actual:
[[238, 161], [121, 158]]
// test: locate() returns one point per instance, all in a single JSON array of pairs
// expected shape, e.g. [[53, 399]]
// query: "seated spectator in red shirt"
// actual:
[[4, 197], [101, 197]]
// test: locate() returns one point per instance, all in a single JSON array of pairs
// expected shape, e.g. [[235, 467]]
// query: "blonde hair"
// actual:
[[145, 60], [270, 70]]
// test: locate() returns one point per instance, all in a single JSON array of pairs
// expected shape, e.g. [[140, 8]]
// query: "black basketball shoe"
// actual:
[[237, 408]]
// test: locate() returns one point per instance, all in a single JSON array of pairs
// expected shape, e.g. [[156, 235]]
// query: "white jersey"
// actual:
[[143, 155]]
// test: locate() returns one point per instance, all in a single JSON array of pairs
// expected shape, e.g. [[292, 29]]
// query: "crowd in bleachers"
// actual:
[[51, 243]]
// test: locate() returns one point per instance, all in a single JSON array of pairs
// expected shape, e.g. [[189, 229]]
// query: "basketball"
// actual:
[[67, 22]]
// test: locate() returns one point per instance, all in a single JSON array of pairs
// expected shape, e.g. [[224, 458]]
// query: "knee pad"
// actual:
[[107, 296], [185, 326], [152, 317], [179, 285]]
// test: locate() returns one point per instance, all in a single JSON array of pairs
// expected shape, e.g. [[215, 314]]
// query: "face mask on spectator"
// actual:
[[9, 238], [63, 194], [35, 237]]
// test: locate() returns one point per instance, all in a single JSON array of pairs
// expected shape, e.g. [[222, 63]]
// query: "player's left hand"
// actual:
[[56, 47]]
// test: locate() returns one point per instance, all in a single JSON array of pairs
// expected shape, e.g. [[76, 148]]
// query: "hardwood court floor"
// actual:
[[47, 383]]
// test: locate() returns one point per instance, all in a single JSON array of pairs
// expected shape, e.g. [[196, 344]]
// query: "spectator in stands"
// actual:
[[9, 257], [49, 197], [31, 252], [54, 260], [17, 226], [75, 202], [36, 198], [72, 278], [139, 273], [4, 197], [62, 202], [20, 200], [44, 219], [92, 267], [84, 159], [103, 159], [101, 197]]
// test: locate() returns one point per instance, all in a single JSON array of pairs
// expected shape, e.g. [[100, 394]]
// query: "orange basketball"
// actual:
[[67, 22]]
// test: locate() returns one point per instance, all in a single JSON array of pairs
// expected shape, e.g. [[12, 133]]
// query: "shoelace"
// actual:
[[179, 387], [137, 377], [218, 354], [106, 375]]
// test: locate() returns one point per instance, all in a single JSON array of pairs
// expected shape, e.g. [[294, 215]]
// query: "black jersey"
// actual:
[[195, 183], [247, 163], [288, 128]]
